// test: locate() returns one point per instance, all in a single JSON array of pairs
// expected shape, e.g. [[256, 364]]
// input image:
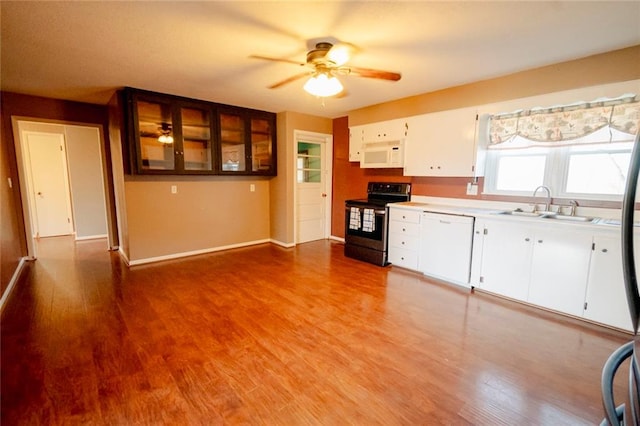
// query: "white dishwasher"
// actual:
[[446, 241]]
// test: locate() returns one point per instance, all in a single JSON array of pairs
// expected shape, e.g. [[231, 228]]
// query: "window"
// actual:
[[580, 152], [597, 171], [520, 171]]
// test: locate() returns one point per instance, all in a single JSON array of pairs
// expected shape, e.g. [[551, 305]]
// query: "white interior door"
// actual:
[[312, 197], [50, 184]]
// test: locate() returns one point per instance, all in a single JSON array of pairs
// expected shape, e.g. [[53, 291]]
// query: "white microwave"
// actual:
[[382, 154]]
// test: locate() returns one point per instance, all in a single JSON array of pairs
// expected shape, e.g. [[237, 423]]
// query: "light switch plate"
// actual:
[[472, 188], [174, 189], [252, 187]]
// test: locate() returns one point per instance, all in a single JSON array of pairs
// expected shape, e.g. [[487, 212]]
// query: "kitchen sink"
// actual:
[[569, 218], [543, 214], [521, 213]]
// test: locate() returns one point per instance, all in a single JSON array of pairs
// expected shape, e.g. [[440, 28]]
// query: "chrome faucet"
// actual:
[[574, 205], [548, 203]]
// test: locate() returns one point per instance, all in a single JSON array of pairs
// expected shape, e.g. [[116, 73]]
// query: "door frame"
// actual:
[[24, 177], [327, 171]]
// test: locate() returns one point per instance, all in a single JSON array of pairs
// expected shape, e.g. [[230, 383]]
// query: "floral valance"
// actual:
[[567, 124]]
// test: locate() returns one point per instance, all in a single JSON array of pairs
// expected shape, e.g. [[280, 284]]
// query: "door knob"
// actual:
[[324, 195]]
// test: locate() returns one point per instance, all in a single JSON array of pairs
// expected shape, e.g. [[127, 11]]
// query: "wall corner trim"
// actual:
[[13, 281], [282, 243]]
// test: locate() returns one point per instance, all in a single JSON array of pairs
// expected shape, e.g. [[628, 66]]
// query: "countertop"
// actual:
[[596, 223]]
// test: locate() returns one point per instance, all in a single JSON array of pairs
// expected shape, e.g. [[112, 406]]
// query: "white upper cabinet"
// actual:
[[355, 142], [378, 145], [441, 144], [384, 131]]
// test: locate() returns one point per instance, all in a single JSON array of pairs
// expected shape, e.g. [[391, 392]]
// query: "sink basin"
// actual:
[[543, 214], [521, 213], [570, 218]]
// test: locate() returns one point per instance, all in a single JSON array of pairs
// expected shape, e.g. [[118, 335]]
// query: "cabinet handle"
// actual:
[[403, 243], [445, 222], [402, 258], [527, 239], [604, 250], [404, 230], [540, 241]]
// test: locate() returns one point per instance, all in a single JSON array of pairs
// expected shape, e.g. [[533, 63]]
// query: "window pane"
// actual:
[[520, 173], [597, 173], [309, 162]]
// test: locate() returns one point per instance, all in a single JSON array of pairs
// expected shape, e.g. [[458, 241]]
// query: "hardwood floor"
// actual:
[[267, 335]]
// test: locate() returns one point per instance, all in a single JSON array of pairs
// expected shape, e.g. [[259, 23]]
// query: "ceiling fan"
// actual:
[[326, 61]]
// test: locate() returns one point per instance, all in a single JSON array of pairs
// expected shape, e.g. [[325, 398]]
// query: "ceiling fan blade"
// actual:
[[267, 58], [289, 80], [369, 73]]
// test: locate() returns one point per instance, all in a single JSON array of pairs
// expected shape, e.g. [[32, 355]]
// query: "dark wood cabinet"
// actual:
[[247, 141], [167, 134]]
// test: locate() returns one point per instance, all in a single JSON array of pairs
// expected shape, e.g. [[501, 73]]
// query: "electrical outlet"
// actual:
[[174, 189], [252, 187], [472, 188]]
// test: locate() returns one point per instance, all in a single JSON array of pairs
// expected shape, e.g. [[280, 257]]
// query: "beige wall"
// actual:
[[204, 214], [282, 186], [209, 213], [619, 65]]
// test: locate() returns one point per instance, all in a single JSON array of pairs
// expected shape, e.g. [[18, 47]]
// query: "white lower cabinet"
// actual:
[[404, 237], [445, 246], [606, 300], [565, 269], [559, 269], [506, 258]]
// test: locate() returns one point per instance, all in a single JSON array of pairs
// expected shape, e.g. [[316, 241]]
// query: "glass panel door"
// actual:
[[155, 131], [232, 143], [309, 162], [261, 144], [196, 139]]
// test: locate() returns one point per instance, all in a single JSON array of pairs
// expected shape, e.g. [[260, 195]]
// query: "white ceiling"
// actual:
[[83, 51]]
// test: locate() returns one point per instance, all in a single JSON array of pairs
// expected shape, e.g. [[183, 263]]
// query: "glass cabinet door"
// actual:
[[232, 143], [196, 139], [261, 145], [155, 134]]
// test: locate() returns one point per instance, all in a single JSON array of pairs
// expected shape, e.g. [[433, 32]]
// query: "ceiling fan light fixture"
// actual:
[[323, 85], [165, 136], [166, 139]]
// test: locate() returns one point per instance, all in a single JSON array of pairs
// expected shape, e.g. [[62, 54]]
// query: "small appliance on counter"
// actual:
[[366, 223]]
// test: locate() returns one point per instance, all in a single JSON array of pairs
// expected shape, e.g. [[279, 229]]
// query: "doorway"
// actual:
[[78, 178], [313, 189]]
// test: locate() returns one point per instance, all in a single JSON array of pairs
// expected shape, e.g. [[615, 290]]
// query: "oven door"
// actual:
[[366, 226]]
